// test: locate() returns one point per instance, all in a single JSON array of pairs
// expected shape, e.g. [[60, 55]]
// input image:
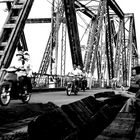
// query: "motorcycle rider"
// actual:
[[28, 77], [84, 79], [79, 70], [15, 82], [75, 72], [25, 72], [79, 76]]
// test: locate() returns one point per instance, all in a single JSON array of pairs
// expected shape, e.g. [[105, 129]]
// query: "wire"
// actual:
[[82, 19], [81, 25], [88, 2], [49, 2], [85, 31], [52, 3]]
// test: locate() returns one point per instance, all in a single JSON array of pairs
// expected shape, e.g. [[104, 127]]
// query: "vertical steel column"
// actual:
[[52, 35], [129, 50], [58, 7], [57, 17], [88, 52], [93, 40], [108, 43], [118, 51], [73, 33], [98, 65], [124, 62], [63, 49]]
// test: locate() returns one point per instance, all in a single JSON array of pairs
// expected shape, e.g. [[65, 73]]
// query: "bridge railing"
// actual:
[[48, 81], [96, 83], [55, 81]]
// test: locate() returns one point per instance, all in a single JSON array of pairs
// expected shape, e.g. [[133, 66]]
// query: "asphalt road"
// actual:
[[58, 97]]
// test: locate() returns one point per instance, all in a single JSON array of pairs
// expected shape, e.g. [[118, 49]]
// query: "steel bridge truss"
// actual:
[[108, 51], [111, 47], [12, 35]]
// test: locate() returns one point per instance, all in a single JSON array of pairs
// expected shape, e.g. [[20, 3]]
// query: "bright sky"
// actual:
[[37, 34]]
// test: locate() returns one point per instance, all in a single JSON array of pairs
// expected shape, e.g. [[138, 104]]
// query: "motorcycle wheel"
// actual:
[[68, 91], [5, 96], [26, 96]]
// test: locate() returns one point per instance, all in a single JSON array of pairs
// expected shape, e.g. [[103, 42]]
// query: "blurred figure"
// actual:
[[79, 71], [84, 80], [29, 73], [25, 73], [75, 73], [133, 103], [114, 83]]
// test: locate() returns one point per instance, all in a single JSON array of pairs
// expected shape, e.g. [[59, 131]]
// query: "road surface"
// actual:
[[58, 97]]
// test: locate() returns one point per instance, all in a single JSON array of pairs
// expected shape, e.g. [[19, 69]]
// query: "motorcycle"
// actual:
[[83, 83], [72, 85], [14, 87]]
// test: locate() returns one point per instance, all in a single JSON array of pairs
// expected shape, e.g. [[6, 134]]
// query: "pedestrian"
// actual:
[[133, 102]]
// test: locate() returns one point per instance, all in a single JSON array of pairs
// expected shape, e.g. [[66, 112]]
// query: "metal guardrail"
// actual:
[[48, 81], [55, 81]]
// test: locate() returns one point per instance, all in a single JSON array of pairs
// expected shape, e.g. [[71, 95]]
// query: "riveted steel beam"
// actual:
[[115, 7], [84, 9]]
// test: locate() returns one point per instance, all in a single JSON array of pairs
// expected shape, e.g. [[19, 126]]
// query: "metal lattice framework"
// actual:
[[110, 48]]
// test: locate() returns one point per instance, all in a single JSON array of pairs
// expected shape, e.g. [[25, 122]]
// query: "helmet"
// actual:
[[26, 53], [79, 67], [20, 53], [137, 68], [74, 66]]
